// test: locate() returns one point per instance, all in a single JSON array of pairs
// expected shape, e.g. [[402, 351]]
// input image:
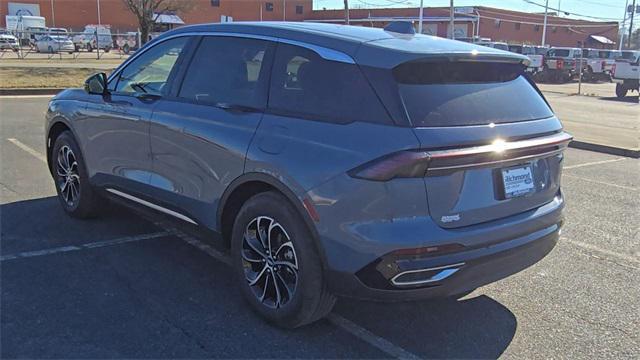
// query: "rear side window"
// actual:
[[227, 70], [467, 93], [304, 84], [559, 52]]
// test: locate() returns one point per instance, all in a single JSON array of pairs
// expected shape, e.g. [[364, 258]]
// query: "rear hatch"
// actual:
[[493, 144]]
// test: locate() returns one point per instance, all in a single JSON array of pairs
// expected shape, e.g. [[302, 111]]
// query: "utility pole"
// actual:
[[284, 10], [624, 21], [53, 15], [421, 16], [98, 5], [451, 25], [544, 26], [633, 12], [346, 12]]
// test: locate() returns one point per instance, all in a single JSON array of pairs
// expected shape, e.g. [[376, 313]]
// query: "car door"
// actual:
[[200, 134], [116, 126]]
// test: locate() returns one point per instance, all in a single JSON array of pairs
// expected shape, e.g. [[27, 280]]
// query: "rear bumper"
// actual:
[[480, 267]]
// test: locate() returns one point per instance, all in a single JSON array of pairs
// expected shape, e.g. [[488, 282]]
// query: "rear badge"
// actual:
[[450, 218]]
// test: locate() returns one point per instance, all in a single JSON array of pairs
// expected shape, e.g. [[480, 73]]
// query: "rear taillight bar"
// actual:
[[419, 163]]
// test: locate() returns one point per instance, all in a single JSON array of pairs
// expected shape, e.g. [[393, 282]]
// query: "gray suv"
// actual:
[[332, 160]]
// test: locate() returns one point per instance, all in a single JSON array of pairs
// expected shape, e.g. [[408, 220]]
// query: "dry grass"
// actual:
[[43, 77]]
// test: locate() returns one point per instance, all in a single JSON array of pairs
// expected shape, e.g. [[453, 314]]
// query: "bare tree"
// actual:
[[144, 11]]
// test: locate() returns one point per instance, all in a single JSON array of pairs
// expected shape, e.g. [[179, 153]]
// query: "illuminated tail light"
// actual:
[[559, 64], [420, 163]]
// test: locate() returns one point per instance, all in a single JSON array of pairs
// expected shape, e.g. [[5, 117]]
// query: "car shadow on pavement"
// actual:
[[627, 99], [473, 327], [172, 298], [39, 224]]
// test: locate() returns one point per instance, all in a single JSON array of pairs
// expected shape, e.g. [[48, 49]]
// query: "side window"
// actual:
[[306, 85], [227, 70], [150, 72]]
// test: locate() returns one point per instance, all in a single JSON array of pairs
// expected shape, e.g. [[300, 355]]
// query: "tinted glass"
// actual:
[[455, 94], [226, 70], [150, 72], [306, 85], [559, 52]]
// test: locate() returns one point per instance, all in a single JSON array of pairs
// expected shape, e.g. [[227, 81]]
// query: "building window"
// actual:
[[554, 29], [299, 9], [215, 3], [517, 26], [536, 28], [268, 6]]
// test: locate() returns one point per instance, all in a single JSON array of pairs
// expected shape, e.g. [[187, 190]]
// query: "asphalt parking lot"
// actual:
[[130, 286]]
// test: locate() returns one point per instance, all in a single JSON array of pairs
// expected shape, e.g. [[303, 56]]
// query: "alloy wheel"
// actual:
[[68, 176], [269, 262]]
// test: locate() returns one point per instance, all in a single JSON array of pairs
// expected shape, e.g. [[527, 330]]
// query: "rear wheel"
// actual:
[[277, 264], [621, 91], [89, 48], [75, 194]]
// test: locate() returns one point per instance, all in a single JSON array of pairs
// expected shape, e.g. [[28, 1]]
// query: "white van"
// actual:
[[89, 41]]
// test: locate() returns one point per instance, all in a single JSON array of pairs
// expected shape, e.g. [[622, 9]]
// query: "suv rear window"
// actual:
[[467, 93], [304, 84]]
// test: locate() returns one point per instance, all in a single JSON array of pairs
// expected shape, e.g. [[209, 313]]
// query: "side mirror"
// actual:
[[96, 84]]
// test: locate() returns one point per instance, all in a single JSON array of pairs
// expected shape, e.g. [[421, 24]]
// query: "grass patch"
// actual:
[[43, 77]]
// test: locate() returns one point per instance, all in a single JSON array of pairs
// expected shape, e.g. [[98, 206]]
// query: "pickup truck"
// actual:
[[535, 55], [626, 75], [561, 64], [94, 37]]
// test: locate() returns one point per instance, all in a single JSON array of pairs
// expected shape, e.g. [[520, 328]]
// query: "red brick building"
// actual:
[[75, 14], [497, 24]]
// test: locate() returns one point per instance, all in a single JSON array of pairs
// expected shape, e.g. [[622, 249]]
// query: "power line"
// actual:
[[571, 13]]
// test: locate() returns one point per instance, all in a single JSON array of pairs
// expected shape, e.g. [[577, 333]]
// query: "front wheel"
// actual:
[[75, 194], [621, 91], [276, 262]]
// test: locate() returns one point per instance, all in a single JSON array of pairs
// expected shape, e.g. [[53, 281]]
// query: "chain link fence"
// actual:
[[61, 44]]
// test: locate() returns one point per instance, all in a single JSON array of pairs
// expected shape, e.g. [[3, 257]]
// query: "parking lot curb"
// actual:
[[612, 150], [35, 91]]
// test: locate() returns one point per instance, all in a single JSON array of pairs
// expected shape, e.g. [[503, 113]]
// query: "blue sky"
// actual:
[[609, 10]]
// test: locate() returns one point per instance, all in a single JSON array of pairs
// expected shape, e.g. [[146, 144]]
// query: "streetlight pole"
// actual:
[[544, 26], [284, 10], [421, 16]]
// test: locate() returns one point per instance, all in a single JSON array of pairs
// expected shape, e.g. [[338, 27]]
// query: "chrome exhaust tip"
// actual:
[[425, 276]]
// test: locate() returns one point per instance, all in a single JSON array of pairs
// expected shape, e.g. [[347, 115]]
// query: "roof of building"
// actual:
[[368, 46]]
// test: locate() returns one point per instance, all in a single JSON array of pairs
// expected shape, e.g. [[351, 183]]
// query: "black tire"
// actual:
[[89, 48], [86, 202], [310, 300], [621, 91]]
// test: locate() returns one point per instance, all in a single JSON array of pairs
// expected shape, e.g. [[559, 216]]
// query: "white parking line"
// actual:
[[606, 252], [28, 149], [93, 245], [337, 320], [600, 182], [593, 163], [365, 335], [25, 96]]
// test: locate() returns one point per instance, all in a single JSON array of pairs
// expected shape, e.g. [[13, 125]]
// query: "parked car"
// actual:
[[595, 66], [561, 64], [626, 73], [94, 37], [8, 41], [127, 42], [34, 34], [54, 44], [332, 161]]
